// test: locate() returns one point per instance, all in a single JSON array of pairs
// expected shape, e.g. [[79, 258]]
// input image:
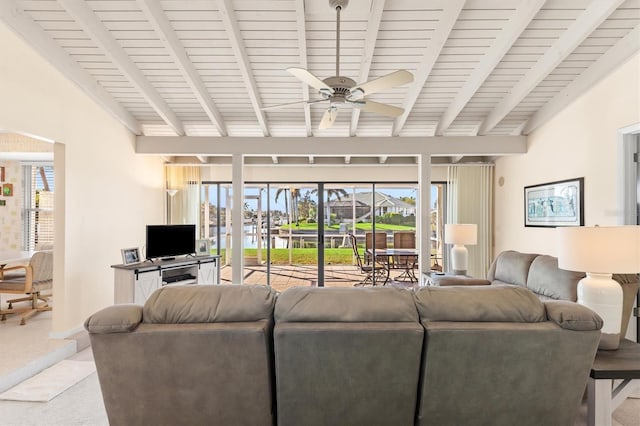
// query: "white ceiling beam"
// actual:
[[302, 48], [32, 33], [235, 38], [331, 147], [383, 159], [158, 20], [579, 30], [610, 60], [202, 159], [347, 159], [85, 18], [274, 159], [440, 35], [311, 159], [501, 45], [373, 25]]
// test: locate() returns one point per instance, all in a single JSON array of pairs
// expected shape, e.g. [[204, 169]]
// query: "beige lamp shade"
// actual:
[[599, 249], [461, 233]]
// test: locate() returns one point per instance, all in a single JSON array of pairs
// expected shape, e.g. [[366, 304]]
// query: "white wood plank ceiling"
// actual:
[[208, 67]]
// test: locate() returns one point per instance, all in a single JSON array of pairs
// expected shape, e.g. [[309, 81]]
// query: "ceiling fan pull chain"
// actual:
[[338, 8]]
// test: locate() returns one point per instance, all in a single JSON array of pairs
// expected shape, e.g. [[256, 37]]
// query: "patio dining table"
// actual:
[[400, 258]]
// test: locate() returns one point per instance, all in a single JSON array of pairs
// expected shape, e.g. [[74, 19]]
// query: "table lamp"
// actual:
[[460, 234], [603, 251]]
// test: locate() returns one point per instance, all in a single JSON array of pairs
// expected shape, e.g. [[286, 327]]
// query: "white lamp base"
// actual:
[[603, 295], [459, 259]]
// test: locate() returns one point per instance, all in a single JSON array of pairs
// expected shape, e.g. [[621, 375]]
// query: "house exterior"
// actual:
[[384, 203]]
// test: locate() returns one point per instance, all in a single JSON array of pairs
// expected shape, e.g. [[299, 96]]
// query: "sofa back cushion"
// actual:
[[511, 267], [550, 282], [344, 304], [347, 356], [500, 303], [209, 303]]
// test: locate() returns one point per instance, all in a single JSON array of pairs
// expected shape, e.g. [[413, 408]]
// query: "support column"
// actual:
[[237, 220], [424, 213]]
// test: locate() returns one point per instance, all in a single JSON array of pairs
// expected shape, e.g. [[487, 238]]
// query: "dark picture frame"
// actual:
[[553, 204]]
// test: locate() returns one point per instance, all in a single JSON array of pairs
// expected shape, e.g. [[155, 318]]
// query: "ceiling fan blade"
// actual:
[[396, 78], [328, 118], [292, 104], [377, 107], [306, 77]]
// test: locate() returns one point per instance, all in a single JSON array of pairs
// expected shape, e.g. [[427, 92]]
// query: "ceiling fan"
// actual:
[[343, 90]]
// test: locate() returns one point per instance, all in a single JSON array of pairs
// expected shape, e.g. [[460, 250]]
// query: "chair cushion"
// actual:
[[339, 304], [479, 304], [209, 303]]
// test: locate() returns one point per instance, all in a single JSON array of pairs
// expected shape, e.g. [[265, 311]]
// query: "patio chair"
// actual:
[[405, 240], [375, 273], [380, 243], [38, 276]]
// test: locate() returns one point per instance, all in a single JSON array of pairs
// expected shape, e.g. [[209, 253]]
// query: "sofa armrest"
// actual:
[[572, 316], [114, 319]]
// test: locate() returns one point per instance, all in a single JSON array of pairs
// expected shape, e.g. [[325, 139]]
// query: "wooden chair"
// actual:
[[375, 273], [38, 276]]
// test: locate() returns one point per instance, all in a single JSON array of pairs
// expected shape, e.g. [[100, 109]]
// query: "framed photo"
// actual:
[[130, 255], [3, 202], [7, 189], [1, 173], [203, 247], [555, 204]]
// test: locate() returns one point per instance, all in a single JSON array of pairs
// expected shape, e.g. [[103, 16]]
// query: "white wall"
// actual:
[[105, 193], [580, 141]]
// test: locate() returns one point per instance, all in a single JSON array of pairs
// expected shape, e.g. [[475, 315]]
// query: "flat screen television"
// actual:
[[170, 240]]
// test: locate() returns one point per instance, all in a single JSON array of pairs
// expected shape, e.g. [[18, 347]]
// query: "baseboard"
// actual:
[[66, 334], [34, 367]]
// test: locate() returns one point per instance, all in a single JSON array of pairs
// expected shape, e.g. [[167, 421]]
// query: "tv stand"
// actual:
[[135, 283]]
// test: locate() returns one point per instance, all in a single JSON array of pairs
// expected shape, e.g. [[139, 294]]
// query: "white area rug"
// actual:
[[51, 382]]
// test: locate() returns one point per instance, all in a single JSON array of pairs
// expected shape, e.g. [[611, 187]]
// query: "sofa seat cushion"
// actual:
[[511, 267], [479, 303], [209, 303], [551, 282], [339, 304]]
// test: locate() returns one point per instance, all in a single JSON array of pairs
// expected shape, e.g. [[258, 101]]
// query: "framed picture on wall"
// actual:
[[555, 204], [1, 173], [130, 255], [7, 189]]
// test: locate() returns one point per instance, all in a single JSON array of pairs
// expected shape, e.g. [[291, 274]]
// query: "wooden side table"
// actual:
[[602, 396]]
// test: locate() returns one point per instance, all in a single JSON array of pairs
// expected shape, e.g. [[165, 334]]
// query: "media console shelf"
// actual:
[[135, 283]]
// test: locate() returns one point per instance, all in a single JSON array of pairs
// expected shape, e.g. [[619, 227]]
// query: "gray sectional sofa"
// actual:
[[244, 355], [540, 274]]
